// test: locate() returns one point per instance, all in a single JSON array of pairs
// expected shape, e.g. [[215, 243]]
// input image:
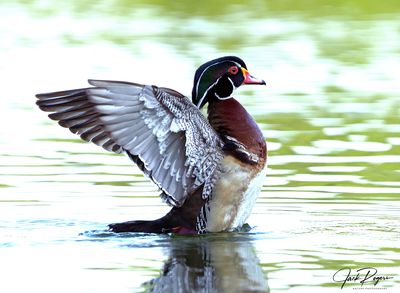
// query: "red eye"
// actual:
[[233, 70]]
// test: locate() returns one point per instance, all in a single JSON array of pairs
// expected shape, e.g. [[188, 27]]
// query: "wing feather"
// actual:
[[161, 130], [79, 125]]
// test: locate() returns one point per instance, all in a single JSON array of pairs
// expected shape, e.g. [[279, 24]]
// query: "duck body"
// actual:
[[209, 170], [242, 169]]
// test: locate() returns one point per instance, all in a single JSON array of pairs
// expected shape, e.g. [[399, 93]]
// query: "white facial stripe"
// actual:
[[228, 97], [201, 75], [205, 69], [222, 98], [233, 86], [205, 93]]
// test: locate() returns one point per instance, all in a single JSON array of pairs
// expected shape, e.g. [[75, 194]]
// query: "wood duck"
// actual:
[[209, 171]]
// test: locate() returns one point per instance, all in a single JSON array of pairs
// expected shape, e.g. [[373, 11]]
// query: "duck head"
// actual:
[[218, 78]]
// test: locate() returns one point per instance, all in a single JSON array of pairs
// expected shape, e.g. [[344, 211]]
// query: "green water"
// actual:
[[330, 113]]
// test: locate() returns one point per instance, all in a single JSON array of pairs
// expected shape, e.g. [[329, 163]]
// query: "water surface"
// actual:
[[330, 113]]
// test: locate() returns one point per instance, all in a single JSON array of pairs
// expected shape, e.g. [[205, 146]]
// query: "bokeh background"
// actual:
[[330, 113]]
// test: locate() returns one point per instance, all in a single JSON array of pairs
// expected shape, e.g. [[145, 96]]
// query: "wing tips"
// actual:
[[72, 109], [60, 94]]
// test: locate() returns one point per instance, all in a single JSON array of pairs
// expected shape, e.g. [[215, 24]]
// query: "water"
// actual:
[[330, 112]]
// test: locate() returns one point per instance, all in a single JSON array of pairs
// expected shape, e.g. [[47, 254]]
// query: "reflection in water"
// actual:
[[210, 264]]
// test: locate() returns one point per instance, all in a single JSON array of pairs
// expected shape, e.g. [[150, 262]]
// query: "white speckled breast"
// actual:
[[234, 195]]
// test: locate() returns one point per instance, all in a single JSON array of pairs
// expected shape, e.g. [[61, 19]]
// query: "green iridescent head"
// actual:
[[218, 78]]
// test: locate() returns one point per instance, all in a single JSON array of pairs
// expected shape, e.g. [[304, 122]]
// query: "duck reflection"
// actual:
[[210, 264]]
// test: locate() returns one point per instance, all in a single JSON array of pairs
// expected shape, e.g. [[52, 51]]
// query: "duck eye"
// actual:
[[233, 70]]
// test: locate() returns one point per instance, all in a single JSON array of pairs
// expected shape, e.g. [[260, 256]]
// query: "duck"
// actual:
[[210, 170]]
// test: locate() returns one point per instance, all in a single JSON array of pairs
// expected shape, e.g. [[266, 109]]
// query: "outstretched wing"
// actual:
[[160, 129]]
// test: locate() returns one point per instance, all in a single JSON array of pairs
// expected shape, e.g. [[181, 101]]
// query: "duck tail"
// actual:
[[155, 226]]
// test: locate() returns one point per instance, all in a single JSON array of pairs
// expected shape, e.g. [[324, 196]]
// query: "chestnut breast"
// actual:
[[229, 117]]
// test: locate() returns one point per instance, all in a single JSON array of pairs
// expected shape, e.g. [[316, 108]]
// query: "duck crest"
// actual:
[[236, 127]]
